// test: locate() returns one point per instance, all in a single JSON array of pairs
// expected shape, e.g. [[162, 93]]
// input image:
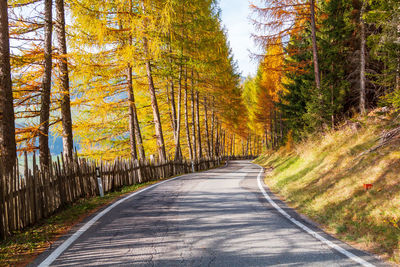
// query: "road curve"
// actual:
[[213, 218]]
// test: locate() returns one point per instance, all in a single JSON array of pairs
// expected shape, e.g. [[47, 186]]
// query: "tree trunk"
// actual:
[[173, 107], [178, 153], [233, 145], [136, 126], [44, 151], [206, 127], [156, 113], [135, 136], [193, 120], [172, 95], [230, 145], [212, 130], [199, 153], [8, 153], [187, 126], [138, 134], [276, 129], [135, 123], [223, 144], [314, 47], [216, 141], [66, 118], [154, 105], [280, 127], [132, 110], [398, 61], [266, 138], [221, 141], [271, 130], [170, 109], [398, 73], [249, 147], [332, 102], [362, 59], [256, 145]]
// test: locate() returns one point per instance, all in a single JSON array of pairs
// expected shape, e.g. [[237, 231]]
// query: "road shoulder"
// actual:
[[313, 226]]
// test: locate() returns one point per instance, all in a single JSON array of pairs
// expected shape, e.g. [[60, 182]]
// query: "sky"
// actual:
[[235, 16]]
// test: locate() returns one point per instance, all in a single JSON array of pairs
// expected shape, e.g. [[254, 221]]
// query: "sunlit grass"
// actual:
[[323, 177]]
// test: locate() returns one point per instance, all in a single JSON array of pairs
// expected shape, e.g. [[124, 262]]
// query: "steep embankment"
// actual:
[[324, 179]]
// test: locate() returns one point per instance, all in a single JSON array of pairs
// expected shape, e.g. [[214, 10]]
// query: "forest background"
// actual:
[[130, 79], [137, 78], [120, 79]]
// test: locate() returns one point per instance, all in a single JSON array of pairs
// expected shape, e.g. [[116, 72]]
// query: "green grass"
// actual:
[[23, 246], [323, 178]]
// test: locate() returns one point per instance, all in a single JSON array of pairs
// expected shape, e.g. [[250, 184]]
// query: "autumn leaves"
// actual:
[[323, 62], [121, 79]]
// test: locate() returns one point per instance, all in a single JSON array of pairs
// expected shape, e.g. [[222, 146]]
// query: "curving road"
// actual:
[[213, 218]]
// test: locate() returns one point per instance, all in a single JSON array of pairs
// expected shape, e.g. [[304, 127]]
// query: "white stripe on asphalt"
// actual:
[[56, 253], [308, 230]]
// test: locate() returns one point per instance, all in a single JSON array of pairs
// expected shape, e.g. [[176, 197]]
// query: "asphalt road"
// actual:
[[213, 218]]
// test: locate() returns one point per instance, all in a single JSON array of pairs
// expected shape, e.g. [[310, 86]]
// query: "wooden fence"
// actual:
[[28, 197], [239, 157]]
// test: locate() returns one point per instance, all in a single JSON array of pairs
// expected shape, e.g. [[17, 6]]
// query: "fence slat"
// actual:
[[25, 200]]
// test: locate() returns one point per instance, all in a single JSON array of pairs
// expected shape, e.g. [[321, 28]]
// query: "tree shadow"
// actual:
[[198, 222]]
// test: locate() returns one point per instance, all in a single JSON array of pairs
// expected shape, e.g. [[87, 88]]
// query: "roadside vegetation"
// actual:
[[109, 81], [156, 79], [23, 246], [323, 177]]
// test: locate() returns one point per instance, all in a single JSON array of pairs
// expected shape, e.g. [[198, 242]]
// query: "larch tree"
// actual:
[[148, 10], [67, 136], [7, 126], [314, 45], [278, 21], [120, 53], [46, 87], [112, 37], [26, 34], [362, 58]]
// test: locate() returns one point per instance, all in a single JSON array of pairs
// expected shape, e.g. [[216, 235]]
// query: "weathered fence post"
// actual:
[[3, 208], [24, 202], [100, 183]]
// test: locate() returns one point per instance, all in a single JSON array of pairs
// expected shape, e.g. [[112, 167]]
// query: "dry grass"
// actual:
[[323, 178]]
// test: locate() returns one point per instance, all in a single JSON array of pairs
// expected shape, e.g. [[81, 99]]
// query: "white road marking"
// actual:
[[56, 253], [308, 230]]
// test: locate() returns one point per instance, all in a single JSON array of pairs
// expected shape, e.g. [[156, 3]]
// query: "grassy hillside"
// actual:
[[323, 178]]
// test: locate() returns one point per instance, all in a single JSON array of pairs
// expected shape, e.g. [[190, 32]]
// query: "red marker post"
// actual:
[[367, 186]]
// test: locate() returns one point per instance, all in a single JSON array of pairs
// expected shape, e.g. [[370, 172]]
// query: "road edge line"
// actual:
[[61, 248], [307, 229]]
